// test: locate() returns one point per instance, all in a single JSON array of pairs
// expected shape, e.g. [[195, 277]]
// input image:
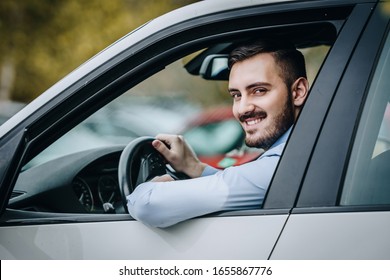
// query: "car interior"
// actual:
[[79, 172]]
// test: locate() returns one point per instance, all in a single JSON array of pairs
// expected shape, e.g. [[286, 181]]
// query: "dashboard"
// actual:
[[96, 187], [83, 182]]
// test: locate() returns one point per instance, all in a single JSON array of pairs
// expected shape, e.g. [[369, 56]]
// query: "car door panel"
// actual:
[[234, 237], [335, 236]]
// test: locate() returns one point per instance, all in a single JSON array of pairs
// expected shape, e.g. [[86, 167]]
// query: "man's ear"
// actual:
[[300, 90]]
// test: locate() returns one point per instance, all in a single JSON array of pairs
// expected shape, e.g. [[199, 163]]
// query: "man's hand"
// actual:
[[163, 178], [179, 154]]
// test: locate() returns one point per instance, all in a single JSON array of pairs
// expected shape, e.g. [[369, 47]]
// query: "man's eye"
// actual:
[[260, 91], [235, 95]]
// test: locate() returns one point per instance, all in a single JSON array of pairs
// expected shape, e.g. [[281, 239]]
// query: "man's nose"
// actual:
[[246, 105]]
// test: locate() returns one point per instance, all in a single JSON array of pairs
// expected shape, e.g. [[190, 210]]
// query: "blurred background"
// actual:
[[43, 40]]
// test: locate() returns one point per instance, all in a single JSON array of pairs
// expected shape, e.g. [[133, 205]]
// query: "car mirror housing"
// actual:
[[215, 67]]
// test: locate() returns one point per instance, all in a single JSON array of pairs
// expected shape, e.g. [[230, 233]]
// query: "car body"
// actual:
[[329, 197]]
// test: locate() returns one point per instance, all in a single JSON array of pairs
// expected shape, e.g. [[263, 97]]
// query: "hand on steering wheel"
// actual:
[[139, 163]]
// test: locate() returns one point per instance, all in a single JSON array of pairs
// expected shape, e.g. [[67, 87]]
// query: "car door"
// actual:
[[343, 209], [234, 235]]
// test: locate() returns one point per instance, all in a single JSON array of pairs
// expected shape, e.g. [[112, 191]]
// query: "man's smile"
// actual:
[[253, 121], [252, 118]]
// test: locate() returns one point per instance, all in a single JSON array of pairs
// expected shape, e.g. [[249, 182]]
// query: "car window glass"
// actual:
[[368, 176]]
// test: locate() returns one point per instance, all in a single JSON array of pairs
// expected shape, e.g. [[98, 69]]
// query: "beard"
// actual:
[[278, 126]]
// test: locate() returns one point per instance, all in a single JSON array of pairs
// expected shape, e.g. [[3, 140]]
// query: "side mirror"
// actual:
[[215, 67]]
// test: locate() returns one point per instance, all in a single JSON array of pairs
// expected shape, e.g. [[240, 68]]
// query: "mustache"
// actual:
[[253, 114]]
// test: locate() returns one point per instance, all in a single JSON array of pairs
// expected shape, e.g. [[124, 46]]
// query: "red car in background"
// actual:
[[218, 139]]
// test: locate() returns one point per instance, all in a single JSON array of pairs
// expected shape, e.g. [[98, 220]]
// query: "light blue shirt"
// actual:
[[162, 204]]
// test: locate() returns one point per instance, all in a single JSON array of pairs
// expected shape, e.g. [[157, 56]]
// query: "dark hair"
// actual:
[[290, 61]]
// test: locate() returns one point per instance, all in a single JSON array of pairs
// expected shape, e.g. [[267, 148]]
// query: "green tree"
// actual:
[[43, 40]]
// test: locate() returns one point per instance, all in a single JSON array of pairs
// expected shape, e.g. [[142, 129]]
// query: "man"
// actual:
[[268, 86]]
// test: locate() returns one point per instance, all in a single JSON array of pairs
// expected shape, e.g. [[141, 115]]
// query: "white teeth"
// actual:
[[252, 122]]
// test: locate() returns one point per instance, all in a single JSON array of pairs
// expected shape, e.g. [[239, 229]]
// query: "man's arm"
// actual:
[[162, 204]]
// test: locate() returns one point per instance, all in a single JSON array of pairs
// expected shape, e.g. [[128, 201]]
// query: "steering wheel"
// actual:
[[140, 162]]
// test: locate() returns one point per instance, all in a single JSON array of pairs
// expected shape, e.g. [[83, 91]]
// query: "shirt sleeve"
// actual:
[[162, 204], [209, 171]]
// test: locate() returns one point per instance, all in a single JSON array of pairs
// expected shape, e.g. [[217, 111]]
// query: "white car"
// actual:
[[329, 197]]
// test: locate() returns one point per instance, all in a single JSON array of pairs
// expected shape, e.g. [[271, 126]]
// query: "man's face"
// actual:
[[262, 103]]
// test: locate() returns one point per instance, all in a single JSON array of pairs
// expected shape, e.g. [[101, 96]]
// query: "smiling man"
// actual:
[[268, 86]]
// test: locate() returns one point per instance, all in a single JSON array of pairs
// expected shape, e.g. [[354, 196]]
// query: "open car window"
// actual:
[[81, 167], [172, 101]]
